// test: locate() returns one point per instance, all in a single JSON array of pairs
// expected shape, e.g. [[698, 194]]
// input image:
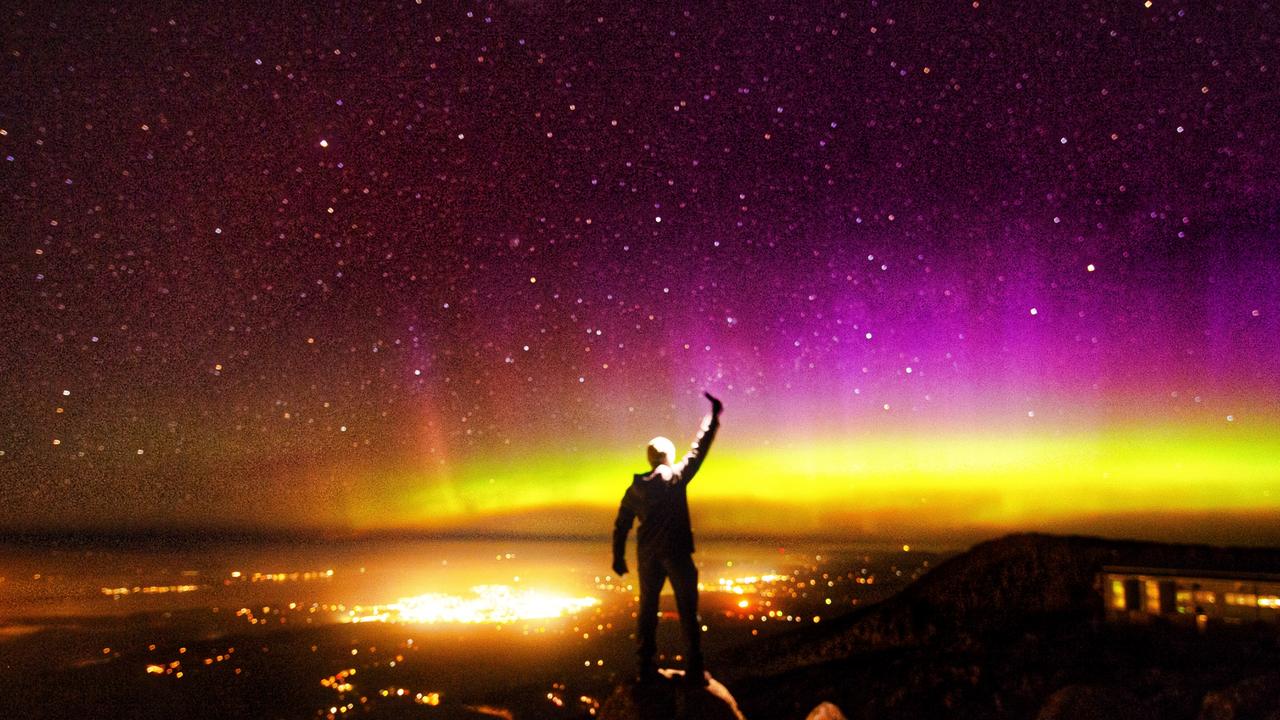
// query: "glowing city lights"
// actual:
[[749, 585], [115, 592], [488, 604]]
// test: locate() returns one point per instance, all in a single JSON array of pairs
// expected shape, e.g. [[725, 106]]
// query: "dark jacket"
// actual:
[[658, 499]]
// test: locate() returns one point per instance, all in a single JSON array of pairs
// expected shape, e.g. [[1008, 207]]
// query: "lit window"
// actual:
[[1153, 597], [1117, 594]]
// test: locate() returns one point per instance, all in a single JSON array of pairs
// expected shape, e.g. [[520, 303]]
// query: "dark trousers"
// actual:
[[654, 572]]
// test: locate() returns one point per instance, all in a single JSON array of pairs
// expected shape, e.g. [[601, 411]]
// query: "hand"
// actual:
[[716, 406], [620, 566]]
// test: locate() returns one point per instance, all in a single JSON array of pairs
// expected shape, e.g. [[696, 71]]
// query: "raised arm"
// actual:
[[688, 466]]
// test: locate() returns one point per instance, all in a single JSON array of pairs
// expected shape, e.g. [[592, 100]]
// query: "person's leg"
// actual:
[[652, 576], [684, 581]]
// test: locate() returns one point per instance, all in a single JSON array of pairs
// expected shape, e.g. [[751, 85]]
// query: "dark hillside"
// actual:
[[996, 631]]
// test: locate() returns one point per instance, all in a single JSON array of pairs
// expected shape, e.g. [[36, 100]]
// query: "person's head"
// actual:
[[661, 451]]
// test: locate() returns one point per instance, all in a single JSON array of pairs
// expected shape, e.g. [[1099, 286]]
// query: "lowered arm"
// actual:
[[621, 528]]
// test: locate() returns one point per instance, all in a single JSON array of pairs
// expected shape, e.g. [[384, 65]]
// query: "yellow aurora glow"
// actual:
[[923, 480]]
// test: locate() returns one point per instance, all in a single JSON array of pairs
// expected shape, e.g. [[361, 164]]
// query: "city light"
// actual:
[[149, 590], [488, 604], [747, 585]]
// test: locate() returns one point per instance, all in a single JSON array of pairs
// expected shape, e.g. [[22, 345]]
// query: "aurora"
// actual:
[[270, 286]]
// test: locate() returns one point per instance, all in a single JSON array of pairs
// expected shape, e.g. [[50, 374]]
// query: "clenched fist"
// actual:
[[717, 407]]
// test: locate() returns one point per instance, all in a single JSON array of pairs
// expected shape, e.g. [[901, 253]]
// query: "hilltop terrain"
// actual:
[[1013, 629]]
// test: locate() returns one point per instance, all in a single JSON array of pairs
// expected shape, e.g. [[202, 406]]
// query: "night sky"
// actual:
[[361, 265]]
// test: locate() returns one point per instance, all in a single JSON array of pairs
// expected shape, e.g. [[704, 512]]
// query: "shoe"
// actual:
[[696, 675]]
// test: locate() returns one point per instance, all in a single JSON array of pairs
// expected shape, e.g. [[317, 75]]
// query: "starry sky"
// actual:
[[451, 265]]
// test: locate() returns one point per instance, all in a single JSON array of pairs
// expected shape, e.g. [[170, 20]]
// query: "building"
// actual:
[[1194, 597]]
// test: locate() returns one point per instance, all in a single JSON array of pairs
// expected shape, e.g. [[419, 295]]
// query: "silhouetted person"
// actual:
[[664, 543]]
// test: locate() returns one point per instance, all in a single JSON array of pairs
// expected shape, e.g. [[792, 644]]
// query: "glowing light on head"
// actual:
[[661, 450], [490, 604]]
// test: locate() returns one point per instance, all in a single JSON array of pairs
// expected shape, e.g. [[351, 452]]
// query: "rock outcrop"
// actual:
[[1255, 697], [825, 711], [671, 697], [1092, 702]]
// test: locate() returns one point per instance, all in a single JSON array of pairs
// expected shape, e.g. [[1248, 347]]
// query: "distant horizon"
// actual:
[[1261, 529]]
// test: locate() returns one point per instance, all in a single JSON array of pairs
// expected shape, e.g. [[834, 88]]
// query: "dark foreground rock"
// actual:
[[1093, 702], [1255, 697], [670, 697], [825, 711]]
